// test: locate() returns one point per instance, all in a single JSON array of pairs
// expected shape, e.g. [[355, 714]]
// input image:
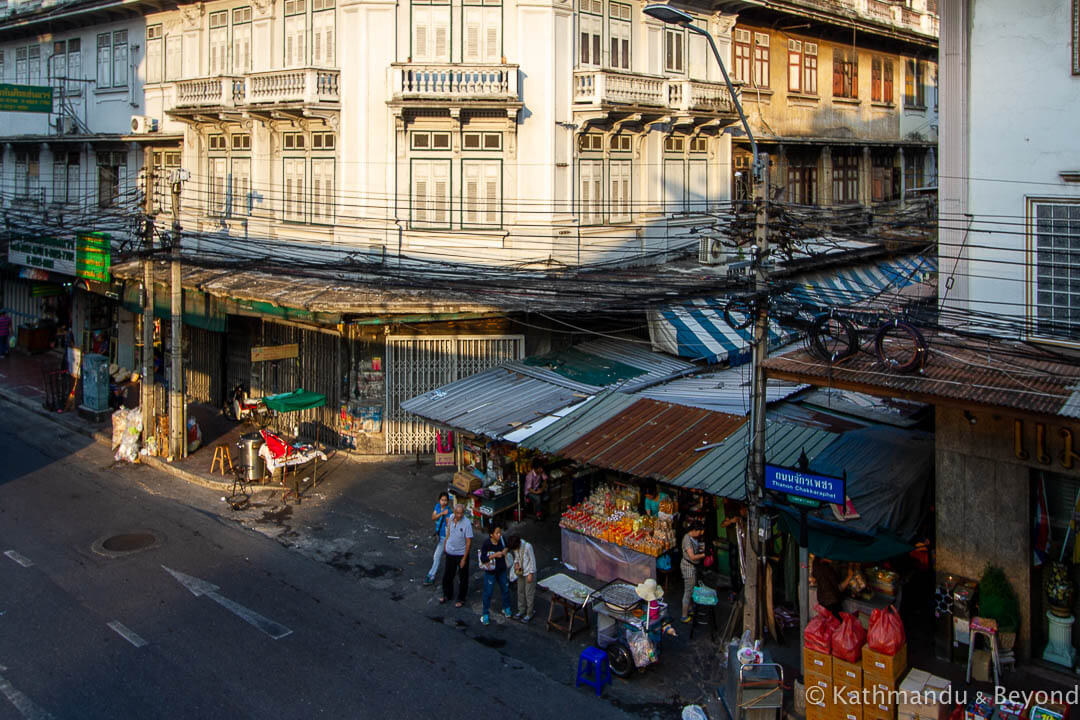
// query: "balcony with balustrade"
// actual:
[[615, 92], [455, 86], [291, 91]]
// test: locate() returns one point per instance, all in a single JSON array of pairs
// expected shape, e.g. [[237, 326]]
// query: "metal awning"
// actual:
[[697, 329]]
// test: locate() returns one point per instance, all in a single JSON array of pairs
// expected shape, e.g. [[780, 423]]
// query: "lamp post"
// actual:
[[759, 176]]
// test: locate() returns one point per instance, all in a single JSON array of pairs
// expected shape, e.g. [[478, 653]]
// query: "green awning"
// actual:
[[837, 543], [293, 401], [584, 367]]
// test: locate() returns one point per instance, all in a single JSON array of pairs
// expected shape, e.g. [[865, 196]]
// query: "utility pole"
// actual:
[[146, 382], [177, 411], [755, 551]]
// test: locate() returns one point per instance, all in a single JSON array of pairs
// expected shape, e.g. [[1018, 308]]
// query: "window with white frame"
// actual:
[[240, 195], [674, 50], [27, 175], [112, 170], [810, 68], [481, 182], [112, 59], [166, 164], [431, 31], [294, 177], [481, 31], [619, 31], [742, 51], [218, 179], [430, 193], [761, 60], [241, 40], [218, 38], [66, 185], [28, 65], [620, 184], [323, 35], [795, 62], [592, 191], [675, 174], [174, 56], [914, 83], [590, 32], [66, 62], [322, 190], [155, 53], [295, 45], [1055, 226], [697, 185], [845, 177]]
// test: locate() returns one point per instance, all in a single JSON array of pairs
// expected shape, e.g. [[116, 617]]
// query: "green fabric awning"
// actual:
[[836, 543], [299, 399]]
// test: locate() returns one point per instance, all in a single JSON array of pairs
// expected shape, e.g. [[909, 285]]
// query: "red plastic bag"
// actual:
[[886, 634], [848, 641], [819, 631]]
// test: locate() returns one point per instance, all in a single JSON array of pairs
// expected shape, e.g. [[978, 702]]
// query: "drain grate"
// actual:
[[128, 542]]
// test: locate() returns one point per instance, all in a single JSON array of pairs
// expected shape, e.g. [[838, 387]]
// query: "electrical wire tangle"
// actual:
[[835, 335]]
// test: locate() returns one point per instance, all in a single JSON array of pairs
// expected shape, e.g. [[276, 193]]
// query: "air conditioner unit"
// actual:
[[65, 125], [142, 124], [711, 250]]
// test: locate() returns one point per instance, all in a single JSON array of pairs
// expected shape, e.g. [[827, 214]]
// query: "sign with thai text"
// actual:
[[804, 484], [47, 253], [93, 256], [26, 98], [274, 352]]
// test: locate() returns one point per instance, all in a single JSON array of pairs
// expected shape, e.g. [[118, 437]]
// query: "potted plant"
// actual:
[[998, 600]]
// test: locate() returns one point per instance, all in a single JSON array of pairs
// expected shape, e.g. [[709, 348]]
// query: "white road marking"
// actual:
[[19, 558], [127, 633], [199, 587], [23, 704]]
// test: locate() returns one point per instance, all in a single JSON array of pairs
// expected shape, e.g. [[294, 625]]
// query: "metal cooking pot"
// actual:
[[249, 456]]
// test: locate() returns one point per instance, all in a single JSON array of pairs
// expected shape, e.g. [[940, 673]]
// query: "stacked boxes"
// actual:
[[848, 695], [818, 676], [924, 697], [881, 680]]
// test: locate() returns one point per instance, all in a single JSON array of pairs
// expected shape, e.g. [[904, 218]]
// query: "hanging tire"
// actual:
[[620, 660], [833, 338], [900, 346], [739, 313]]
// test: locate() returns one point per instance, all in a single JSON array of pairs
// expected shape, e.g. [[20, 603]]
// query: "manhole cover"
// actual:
[[128, 542]]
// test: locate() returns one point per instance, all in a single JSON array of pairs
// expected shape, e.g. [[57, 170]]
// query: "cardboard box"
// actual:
[[817, 662], [813, 682], [847, 712], [879, 697], [878, 712], [466, 482], [847, 673], [884, 667], [847, 700], [814, 712], [924, 696]]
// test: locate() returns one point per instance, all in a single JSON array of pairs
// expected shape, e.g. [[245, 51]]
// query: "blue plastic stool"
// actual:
[[593, 669]]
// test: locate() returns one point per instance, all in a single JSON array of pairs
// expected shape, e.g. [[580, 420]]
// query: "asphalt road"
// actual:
[[85, 633]]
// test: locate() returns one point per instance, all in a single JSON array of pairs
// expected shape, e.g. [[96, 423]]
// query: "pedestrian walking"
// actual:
[[493, 560], [5, 333], [439, 516], [524, 565], [693, 552], [456, 547]]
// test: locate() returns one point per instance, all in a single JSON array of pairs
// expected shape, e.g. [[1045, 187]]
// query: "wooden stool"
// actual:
[[221, 456]]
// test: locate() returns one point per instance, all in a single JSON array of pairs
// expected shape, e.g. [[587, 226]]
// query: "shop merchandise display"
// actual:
[[609, 514]]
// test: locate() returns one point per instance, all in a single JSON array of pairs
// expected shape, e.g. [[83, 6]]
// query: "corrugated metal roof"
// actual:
[[959, 371], [651, 439], [725, 391], [722, 470], [582, 420], [497, 401], [657, 366]]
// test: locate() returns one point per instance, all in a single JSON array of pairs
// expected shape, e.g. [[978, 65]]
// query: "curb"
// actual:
[[104, 437]]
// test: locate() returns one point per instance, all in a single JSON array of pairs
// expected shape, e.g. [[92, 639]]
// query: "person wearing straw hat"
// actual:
[[652, 594]]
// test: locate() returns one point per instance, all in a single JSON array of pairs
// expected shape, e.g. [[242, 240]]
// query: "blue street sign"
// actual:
[[804, 484]]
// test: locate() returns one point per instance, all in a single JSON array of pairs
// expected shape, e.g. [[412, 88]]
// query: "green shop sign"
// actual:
[[93, 256], [26, 98], [53, 254]]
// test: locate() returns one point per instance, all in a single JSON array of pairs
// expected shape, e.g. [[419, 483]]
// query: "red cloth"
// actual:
[[278, 447]]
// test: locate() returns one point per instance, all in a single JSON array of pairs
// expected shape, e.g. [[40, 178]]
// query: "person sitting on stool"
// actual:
[[536, 488]]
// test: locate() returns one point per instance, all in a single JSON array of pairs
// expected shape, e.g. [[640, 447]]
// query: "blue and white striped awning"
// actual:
[[697, 330]]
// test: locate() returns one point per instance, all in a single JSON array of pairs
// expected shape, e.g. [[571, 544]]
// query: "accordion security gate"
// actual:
[[417, 364]]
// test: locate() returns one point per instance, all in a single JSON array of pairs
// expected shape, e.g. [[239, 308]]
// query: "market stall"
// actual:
[[488, 479], [607, 538]]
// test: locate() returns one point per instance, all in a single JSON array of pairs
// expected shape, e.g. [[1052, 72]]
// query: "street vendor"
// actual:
[[536, 485], [830, 589]]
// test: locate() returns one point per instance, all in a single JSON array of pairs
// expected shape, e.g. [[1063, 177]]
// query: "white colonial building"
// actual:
[[477, 131]]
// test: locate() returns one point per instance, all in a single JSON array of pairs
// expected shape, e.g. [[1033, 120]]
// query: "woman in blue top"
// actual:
[[438, 516]]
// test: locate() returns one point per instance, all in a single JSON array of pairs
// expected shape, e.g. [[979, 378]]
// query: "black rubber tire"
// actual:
[[620, 660], [839, 328], [739, 306], [910, 334]]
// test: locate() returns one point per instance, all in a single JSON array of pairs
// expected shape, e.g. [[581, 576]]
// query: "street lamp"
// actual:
[[673, 16]]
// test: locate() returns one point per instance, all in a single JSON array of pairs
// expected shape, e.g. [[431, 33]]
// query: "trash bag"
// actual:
[[820, 629], [130, 425], [641, 648], [886, 633], [848, 640]]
